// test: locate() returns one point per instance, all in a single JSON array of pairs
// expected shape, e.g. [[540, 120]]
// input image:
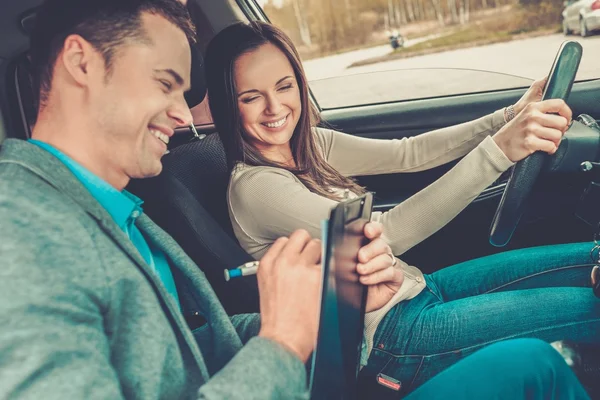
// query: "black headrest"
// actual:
[[198, 82]]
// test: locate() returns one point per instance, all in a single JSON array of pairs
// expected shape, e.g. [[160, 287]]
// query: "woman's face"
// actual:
[[268, 98]]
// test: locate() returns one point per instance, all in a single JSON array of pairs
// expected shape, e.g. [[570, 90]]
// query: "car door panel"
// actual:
[[397, 120]]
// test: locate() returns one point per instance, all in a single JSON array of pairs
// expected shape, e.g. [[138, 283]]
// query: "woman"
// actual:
[[287, 174]]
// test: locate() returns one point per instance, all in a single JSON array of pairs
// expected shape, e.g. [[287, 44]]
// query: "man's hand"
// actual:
[[289, 283], [376, 268]]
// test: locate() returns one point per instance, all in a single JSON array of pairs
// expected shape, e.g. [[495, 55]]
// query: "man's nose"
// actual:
[[180, 113]]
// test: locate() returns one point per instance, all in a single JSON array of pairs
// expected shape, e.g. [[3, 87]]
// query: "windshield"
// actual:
[[361, 77], [350, 48], [407, 84]]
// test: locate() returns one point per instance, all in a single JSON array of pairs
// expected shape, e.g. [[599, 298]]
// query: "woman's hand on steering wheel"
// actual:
[[538, 126], [532, 95]]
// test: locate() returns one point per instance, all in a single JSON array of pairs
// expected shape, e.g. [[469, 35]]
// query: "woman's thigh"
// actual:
[[536, 267], [444, 333]]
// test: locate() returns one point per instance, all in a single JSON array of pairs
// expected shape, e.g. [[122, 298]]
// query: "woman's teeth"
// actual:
[[275, 124], [161, 136]]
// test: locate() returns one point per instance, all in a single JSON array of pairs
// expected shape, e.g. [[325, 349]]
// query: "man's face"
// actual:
[[140, 103]]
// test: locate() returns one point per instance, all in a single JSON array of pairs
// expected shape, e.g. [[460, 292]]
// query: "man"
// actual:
[[93, 294]]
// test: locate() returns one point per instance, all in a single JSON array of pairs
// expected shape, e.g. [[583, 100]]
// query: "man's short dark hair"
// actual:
[[105, 24]]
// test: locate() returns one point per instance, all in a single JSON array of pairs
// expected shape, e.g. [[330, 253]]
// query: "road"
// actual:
[[451, 72], [326, 67]]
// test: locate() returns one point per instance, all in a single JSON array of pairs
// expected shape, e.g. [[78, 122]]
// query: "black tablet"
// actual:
[[336, 358]]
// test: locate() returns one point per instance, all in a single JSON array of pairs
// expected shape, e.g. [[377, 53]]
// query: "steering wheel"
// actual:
[[526, 171]]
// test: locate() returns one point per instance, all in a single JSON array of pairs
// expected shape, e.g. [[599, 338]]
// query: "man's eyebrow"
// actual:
[[178, 79], [254, 90]]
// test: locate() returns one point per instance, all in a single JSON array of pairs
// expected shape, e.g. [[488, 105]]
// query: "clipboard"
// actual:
[[336, 359]]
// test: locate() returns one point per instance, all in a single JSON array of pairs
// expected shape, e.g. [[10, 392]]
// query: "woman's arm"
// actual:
[[353, 156], [423, 214], [266, 203]]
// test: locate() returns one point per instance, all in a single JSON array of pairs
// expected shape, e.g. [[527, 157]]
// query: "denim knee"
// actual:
[[529, 349], [530, 355], [519, 369], [541, 369]]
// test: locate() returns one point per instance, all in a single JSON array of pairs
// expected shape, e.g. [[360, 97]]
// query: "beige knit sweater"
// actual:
[[266, 203]]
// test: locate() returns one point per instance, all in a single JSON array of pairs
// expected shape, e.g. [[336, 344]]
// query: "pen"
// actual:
[[249, 268]]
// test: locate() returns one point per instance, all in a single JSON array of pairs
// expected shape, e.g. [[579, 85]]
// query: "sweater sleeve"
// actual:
[[355, 156], [423, 214], [267, 203]]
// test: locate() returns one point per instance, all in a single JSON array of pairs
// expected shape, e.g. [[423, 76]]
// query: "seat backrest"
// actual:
[[25, 104], [188, 200]]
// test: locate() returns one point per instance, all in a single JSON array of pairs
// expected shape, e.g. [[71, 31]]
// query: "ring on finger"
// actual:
[[394, 259]]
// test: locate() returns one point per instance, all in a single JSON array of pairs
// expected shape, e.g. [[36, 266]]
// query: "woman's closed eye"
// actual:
[[247, 100], [285, 87]]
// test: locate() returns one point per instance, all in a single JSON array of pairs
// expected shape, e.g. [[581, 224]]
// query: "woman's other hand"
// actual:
[[532, 95], [539, 126], [378, 268]]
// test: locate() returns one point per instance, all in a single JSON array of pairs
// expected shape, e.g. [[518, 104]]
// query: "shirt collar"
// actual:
[[120, 205]]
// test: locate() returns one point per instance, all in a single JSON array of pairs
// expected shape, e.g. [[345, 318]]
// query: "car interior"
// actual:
[[188, 199]]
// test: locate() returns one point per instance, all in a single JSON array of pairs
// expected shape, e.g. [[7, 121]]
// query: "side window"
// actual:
[[358, 52]]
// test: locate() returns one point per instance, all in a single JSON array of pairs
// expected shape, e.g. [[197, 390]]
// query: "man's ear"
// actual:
[[80, 60]]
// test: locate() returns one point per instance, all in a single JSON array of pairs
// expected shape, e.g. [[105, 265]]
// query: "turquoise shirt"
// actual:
[[124, 208]]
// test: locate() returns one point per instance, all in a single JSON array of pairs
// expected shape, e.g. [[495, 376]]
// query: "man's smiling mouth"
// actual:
[[160, 136]]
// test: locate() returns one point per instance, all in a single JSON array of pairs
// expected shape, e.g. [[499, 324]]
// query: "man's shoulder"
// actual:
[[42, 229], [28, 201]]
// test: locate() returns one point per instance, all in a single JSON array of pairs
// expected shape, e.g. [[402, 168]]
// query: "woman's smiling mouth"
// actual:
[[276, 124]]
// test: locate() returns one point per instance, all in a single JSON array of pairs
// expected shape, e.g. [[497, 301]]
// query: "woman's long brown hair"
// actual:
[[225, 48]]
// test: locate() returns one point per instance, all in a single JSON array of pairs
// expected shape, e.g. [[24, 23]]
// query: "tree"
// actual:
[[302, 24], [453, 13], [439, 13]]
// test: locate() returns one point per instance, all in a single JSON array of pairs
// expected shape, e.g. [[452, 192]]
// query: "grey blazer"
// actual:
[[83, 317]]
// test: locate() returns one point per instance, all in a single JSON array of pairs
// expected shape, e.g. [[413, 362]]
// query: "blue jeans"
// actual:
[[542, 292], [521, 369]]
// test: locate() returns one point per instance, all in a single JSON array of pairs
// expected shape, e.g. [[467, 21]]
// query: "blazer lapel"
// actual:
[[202, 291]]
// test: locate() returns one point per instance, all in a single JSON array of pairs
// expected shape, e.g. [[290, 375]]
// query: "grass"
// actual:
[[467, 35], [515, 24], [307, 54], [409, 31]]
